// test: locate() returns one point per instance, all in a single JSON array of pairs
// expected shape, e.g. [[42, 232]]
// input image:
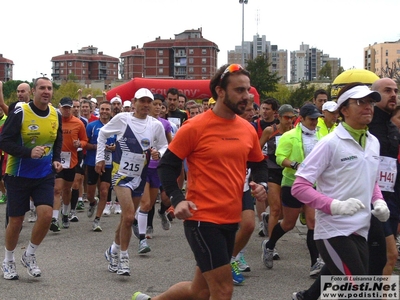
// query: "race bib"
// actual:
[[387, 173], [66, 159], [131, 164], [265, 149], [108, 157]]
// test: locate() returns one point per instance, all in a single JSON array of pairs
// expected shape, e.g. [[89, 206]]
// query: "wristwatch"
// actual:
[[265, 185], [294, 165]]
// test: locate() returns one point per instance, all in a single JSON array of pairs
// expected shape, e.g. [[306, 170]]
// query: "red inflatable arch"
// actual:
[[193, 89]]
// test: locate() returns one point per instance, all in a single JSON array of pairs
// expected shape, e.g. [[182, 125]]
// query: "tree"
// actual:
[[392, 71], [302, 94], [262, 79], [282, 93], [325, 72]]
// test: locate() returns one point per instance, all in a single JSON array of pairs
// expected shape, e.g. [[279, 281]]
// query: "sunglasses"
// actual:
[[287, 118], [231, 69]]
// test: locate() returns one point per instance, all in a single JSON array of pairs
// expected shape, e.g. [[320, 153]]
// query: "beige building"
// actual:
[[379, 57]]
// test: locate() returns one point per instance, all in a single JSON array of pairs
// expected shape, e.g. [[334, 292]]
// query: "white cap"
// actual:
[[94, 100], [329, 106], [116, 99], [143, 92], [127, 103], [358, 92]]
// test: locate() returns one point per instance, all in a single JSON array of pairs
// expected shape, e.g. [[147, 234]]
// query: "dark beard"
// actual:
[[233, 107]]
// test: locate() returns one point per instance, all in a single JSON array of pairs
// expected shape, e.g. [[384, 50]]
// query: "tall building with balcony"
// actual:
[[379, 57], [86, 65], [260, 46], [6, 69], [188, 56], [306, 63]]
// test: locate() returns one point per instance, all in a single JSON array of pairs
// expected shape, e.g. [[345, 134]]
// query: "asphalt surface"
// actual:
[[73, 264]]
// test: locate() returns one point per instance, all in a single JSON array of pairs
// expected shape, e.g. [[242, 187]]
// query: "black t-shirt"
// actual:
[[177, 117]]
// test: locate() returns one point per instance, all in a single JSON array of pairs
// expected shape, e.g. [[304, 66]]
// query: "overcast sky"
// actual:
[[32, 32]]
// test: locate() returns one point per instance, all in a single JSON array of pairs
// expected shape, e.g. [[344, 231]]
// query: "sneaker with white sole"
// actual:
[[261, 229], [107, 209], [236, 275], [242, 264], [123, 266], [117, 209], [298, 295], [316, 268], [265, 218], [143, 247], [140, 296], [9, 270], [165, 223], [149, 232], [96, 226], [267, 255], [276, 255], [92, 207], [32, 216], [112, 258], [65, 221], [29, 262], [73, 216], [54, 225], [80, 206]]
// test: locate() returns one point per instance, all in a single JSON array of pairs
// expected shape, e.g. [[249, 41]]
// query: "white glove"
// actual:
[[346, 207], [381, 211]]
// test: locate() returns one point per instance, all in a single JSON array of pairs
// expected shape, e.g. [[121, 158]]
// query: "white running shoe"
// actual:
[[29, 262], [123, 266], [117, 208], [107, 209], [32, 216], [9, 270]]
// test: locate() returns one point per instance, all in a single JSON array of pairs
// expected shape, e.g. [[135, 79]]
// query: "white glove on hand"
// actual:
[[346, 207], [381, 211]]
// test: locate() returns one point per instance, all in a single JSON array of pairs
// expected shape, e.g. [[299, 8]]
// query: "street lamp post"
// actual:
[[243, 2]]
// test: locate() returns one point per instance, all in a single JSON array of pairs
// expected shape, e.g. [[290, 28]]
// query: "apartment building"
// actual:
[[6, 69], [379, 57], [188, 56], [86, 65]]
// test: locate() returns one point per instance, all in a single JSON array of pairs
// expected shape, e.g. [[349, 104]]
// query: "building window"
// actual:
[[191, 51], [62, 71], [83, 64], [83, 72], [191, 60], [70, 64], [203, 51], [191, 70], [203, 70], [70, 71], [204, 61], [387, 52], [160, 61], [160, 52], [161, 71], [62, 64]]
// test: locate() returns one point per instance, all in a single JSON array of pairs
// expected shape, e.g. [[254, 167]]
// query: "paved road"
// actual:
[[73, 265]]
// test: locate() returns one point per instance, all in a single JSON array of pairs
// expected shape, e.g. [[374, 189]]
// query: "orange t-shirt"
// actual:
[[73, 129], [217, 151]]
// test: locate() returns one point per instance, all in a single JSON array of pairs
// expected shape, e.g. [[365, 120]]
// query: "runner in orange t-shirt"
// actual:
[[217, 145]]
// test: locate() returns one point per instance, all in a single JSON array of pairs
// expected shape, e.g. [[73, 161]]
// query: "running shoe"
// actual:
[[140, 296], [54, 226], [117, 209], [261, 229], [3, 199], [73, 216], [265, 218], [29, 262], [32, 216], [96, 226], [236, 275], [298, 295], [276, 255], [80, 206], [165, 223], [143, 247], [123, 266], [112, 258], [65, 221], [149, 232], [92, 207], [9, 270], [107, 209], [302, 218], [316, 268], [242, 264], [267, 255], [170, 213]]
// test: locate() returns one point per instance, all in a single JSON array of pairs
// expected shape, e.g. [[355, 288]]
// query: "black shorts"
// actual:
[[275, 176], [79, 167], [212, 244], [247, 201], [20, 190], [67, 174], [93, 177], [288, 200]]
